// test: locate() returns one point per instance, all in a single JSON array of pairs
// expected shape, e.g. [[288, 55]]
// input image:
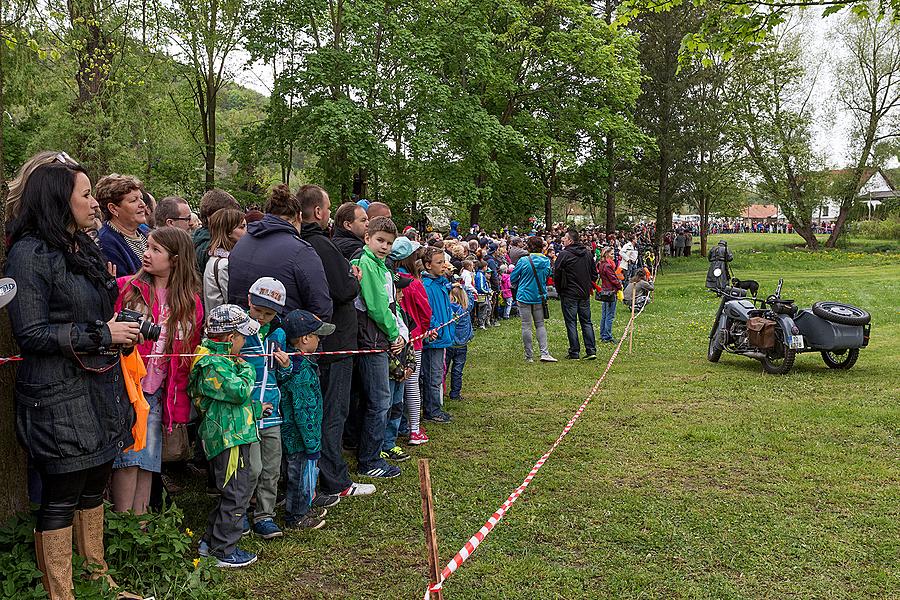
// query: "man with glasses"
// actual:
[[173, 211]]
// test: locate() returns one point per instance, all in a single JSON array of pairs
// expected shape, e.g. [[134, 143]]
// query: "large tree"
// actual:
[[868, 88]]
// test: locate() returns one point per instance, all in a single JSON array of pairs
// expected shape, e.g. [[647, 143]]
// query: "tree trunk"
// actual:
[[474, 213], [610, 184], [704, 223], [12, 467], [548, 209]]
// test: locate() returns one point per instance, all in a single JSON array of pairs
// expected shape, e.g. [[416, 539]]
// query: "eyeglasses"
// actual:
[[179, 218], [64, 158]]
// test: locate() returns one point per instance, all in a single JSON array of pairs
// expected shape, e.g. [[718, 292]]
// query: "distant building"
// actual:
[[875, 186], [766, 213]]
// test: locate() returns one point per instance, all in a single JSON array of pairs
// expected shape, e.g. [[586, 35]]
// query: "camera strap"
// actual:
[[65, 333]]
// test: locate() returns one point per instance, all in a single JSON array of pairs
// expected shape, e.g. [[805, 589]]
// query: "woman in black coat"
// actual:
[[72, 413]]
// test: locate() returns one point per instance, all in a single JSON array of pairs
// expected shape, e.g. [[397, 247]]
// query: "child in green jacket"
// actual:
[[301, 428], [220, 385]]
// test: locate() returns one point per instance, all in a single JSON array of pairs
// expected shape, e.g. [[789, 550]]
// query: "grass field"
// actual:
[[683, 479]]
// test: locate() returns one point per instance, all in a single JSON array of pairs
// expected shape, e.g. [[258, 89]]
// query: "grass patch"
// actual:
[[683, 479]]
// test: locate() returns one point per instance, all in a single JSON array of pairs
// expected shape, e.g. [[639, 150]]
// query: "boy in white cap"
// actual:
[[220, 385], [266, 301]]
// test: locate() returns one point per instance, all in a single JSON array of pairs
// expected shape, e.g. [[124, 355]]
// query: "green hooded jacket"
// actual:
[[220, 387]]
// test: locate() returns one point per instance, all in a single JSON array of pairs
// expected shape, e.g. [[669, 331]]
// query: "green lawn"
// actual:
[[683, 479]]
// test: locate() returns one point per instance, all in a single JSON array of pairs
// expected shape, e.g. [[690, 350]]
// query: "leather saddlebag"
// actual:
[[761, 332]]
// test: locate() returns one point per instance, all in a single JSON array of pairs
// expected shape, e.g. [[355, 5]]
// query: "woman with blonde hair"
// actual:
[[226, 227]]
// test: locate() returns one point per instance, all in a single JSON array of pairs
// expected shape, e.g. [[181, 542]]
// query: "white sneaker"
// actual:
[[548, 358], [358, 489]]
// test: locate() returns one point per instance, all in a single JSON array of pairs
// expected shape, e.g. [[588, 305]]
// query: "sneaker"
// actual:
[[308, 521], [169, 484], [318, 512], [236, 559], [246, 530], [529, 360], [456, 399], [548, 359], [395, 454], [203, 548], [212, 492], [325, 500], [267, 529], [357, 489], [417, 438], [385, 472], [570, 357], [590, 357], [440, 417]]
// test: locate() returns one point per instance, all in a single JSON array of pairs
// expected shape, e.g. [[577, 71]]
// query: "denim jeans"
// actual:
[[336, 377], [302, 473], [432, 380], [575, 310], [507, 308], [455, 363], [606, 321], [376, 383], [394, 416]]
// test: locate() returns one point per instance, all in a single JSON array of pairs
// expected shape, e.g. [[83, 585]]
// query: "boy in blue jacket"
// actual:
[[266, 300], [432, 376]]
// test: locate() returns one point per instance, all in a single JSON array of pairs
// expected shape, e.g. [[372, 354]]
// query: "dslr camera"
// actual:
[[148, 328]]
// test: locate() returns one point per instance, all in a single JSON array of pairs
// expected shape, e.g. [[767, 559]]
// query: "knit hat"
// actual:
[[229, 318]]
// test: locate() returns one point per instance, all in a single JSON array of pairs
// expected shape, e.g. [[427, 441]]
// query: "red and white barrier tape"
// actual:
[[466, 551], [4, 360]]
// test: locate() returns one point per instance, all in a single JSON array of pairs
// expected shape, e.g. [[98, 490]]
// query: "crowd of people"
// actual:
[[262, 348]]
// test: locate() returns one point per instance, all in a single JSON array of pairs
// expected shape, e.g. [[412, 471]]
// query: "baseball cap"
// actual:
[[403, 247], [268, 292], [228, 318], [298, 323]]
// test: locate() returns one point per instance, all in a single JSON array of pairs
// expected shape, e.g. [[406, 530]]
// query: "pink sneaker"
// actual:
[[417, 438]]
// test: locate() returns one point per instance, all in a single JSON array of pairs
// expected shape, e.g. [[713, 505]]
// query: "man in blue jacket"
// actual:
[[273, 248]]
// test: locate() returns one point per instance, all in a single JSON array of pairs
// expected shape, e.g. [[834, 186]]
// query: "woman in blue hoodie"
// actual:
[[432, 373], [530, 279]]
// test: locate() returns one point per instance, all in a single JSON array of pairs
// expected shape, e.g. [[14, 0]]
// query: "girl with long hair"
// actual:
[[71, 411], [415, 302], [609, 285], [226, 227], [164, 290]]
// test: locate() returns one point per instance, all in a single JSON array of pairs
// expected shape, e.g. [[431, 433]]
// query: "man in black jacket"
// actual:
[[350, 225], [574, 274], [335, 372]]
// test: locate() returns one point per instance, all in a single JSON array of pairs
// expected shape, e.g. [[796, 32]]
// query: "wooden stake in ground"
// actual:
[[631, 333], [434, 568]]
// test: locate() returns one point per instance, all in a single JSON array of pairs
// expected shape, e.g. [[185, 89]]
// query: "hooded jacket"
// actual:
[[343, 287], [529, 290], [176, 405], [574, 272], [376, 304], [347, 242], [438, 290], [267, 369], [273, 248], [220, 387], [415, 303]]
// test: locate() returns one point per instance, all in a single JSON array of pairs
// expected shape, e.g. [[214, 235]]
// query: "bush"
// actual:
[[887, 229], [149, 554]]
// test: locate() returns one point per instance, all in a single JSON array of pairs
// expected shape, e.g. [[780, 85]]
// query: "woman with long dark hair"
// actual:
[[72, 413]]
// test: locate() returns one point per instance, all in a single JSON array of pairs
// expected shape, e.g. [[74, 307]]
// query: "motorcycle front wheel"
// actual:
[[780, 359], [840, 359], [714, 353]]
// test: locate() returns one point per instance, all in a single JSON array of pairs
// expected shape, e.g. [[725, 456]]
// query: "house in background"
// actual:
[[761, 213], [875, 186]]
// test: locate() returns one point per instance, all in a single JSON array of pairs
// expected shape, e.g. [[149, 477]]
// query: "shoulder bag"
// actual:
[[540, 285]]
